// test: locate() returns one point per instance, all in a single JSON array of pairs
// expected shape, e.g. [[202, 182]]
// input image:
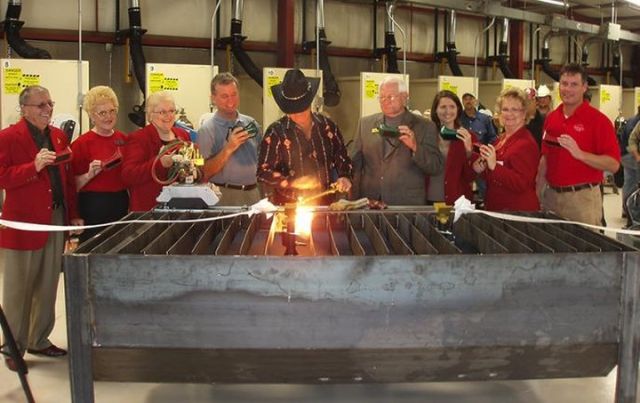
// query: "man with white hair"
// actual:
[[394, 150], [40, 188]]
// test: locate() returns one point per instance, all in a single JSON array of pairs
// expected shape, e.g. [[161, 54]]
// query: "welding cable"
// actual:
[[173, 172]]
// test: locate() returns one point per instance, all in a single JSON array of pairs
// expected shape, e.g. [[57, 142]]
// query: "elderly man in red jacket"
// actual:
[[39, 189]]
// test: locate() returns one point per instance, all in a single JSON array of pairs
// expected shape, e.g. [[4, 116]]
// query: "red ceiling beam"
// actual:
[[286, 45], [516, 48]]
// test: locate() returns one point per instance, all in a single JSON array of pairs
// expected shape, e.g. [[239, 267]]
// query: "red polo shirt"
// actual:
[[594, 133]]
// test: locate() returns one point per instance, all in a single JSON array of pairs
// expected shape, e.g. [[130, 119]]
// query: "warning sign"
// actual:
[[156, 82], [171, 84], [15, 80], [12, 78], [370, 89], [449, 87], [30, 79], [271, 81]]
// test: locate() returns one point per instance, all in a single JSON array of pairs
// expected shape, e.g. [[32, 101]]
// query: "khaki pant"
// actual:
[[583, 206], [30, 287], [237, 197]]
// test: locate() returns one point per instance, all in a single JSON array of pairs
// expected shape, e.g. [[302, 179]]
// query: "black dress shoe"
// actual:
[[11, 364], [51, 351]]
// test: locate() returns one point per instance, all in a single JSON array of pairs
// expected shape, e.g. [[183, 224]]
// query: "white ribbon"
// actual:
[[461, 206], [263, 206], [464, 206]]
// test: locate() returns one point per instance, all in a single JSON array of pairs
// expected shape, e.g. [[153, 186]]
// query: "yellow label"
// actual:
[[12, 80], [370, 89], [447, 86], [605, 96], [156, 82], [30, 79], [271, 81], [171, 84]]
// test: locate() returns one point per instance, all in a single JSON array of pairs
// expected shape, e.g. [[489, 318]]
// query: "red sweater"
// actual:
[[91, 146], [512, 184], [139, 153], [28, 193]]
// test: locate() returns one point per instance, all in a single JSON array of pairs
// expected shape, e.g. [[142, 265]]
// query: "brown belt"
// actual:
[[574, 188], [237, 187]]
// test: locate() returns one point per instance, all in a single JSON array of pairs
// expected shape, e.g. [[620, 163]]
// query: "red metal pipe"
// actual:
[[286, 44]]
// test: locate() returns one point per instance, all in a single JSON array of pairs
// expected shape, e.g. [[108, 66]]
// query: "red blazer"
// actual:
[[138, 155], [28, 193], [512, 184], [458, 172]]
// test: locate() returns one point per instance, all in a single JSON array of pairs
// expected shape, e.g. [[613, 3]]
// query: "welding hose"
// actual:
[[173, 172]]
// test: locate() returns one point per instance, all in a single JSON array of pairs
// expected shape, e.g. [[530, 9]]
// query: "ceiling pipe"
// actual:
[[330, 91], [585, 54], [503, 57], [545, 60], [138, 61], [475, 47], [616, 64], [236, 40], [12, 26], [390, 48], [451, 53]]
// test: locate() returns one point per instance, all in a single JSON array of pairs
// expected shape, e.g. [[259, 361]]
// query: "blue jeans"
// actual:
[[631, 178]]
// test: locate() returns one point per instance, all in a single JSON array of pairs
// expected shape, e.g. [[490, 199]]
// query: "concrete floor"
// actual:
[[50, 382]]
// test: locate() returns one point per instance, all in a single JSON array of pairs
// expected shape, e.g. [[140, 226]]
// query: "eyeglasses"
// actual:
[[42, 105], [166, 113], [511, 110], [104, 114], [391, 98]]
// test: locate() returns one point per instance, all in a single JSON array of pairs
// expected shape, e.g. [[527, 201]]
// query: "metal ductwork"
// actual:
[[616, 66], [138, 61], [451, 52], [236, 43], [330, 90], [390, 48], [502, 52], [545, 60], [585, 54], [12, 25]]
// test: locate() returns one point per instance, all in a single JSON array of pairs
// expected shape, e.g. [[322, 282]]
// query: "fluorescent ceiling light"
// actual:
[[558, 3]]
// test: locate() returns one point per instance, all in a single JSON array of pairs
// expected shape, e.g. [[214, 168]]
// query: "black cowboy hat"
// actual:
[[296, 91]]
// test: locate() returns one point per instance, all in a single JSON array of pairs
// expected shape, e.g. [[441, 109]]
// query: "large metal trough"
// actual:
[[374, 297]]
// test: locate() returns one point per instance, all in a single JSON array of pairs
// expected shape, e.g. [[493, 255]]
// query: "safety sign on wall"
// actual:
[[159, 82], [15, 80]]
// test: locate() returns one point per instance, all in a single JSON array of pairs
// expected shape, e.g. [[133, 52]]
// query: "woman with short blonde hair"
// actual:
[[102, 195], [510, 165]]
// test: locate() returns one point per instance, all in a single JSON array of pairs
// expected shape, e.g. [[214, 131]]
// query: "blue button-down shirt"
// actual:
[[481, 125]]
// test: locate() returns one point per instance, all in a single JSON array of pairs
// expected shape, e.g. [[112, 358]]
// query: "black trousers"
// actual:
[[101, 207]]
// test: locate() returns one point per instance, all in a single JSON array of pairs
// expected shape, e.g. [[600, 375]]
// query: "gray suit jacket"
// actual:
[[397, 176]]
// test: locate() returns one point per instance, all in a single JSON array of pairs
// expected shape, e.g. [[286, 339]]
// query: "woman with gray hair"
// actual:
[[143, 147], [102, 195]]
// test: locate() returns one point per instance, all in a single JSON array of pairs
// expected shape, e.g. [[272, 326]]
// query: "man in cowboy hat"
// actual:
[[391, 164], [231, 151], [302, 150], [543, 100]]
